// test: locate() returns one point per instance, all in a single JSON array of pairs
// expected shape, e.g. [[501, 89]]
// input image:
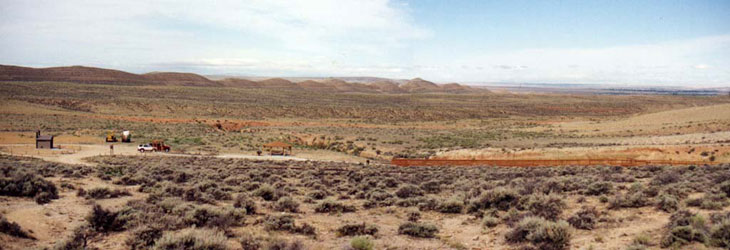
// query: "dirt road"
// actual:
[[81, 151]]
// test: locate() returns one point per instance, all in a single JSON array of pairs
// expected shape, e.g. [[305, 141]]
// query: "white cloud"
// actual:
[[319, 37], [660, 63], [267, 32]]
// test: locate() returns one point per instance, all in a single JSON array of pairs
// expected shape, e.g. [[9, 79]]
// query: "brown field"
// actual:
[[326, 195]]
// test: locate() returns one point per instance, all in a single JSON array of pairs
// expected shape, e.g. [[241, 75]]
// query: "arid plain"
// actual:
[[338, 188]]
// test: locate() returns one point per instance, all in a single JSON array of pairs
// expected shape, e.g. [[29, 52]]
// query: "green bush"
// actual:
[[362, 243], [192, 239], [420, 230]]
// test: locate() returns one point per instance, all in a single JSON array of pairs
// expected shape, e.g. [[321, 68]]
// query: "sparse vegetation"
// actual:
[[420, 230]]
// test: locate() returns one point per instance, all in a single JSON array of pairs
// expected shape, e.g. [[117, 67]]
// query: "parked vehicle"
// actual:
[[159, 145], [126, 136], [110, 137], [146, 148]]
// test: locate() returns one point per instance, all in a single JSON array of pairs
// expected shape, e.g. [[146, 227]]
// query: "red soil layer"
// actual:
[[539, 163]]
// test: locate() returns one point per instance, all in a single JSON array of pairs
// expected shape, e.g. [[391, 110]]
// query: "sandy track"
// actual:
[[83, 151]]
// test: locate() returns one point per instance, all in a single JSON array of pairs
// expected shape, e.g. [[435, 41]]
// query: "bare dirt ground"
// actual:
[[75, 153]]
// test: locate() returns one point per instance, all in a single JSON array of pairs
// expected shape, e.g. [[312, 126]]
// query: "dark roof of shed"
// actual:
[[44, 138]]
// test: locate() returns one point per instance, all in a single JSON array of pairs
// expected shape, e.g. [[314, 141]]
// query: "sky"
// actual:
[[648, 43]]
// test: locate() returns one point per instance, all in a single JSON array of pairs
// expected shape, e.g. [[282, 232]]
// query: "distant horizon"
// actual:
[[469, 83], [643, 42]]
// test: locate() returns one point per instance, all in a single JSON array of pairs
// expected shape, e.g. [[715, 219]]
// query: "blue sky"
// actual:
[[681, 43]]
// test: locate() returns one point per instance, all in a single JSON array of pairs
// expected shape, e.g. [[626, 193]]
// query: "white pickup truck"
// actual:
[[146, 148]]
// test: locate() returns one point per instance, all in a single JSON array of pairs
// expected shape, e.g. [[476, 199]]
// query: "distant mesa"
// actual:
[[91, 75]]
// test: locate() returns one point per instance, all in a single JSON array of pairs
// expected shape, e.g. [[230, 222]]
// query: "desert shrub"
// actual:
[[242, 201], [317, 194], [78, 240], [102, 220], [490, 221], [361, 243], [666, 177], [431, 186], [378, 195], [720, 234], [287, 204], [104, 193], [542, 233], [586, 218], [408, 191], [642, 240], [420, 230], [682, 235], [685, 227], [144, 237], [451, 206], [266, 192], [630, 199], [667, 203], [214, 217], [250, 242], [547, 206], [414, 216], [599, 188], [12, 229], [332, 206], [427, 204], [725, 188], [287, 223], [43, 198], [603, 199], [356, 229], [192, 239], [29, 185], [500, 198], [283, 244]]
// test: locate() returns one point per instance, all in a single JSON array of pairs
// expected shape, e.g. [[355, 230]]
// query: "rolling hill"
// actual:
[[91, 75]]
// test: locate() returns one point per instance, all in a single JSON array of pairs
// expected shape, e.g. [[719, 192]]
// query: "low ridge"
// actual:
[[91, 75]]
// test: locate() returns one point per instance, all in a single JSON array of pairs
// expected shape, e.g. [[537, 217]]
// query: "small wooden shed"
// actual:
[[278, 148], [43, 141]]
